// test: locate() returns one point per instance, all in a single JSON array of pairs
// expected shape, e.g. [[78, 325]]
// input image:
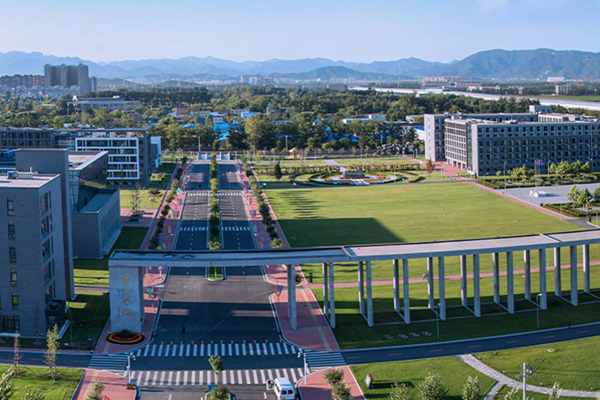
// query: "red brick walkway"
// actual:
[[115, 387]]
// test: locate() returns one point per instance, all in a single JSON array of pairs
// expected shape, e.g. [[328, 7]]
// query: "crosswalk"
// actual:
[[207, 193], [207, 377], [218, 349], [224, 228], [109, 362], [320, 360]]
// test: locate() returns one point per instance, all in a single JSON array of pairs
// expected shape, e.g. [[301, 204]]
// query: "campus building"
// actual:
[[109, 103], [68, 76], [483, 144], [35, 280]]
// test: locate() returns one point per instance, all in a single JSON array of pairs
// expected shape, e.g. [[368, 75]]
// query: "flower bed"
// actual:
[[125, 337]]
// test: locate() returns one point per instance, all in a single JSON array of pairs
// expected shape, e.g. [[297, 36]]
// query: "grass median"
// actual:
[[63, 388]]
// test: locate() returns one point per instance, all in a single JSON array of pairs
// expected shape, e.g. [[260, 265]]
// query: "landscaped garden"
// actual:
[[38, 379]]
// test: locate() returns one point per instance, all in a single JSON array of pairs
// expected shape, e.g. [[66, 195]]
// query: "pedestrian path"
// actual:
[[320, 360], [218, 349], [224, 229], [207, 377], [207, 193], [505, 380], [116, 363]]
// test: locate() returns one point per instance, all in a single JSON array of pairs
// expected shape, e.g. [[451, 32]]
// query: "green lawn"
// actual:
[[452, 372], [371, 160], [39, 378], [94, 272], [574, 364], [352, 330], [146, 200]]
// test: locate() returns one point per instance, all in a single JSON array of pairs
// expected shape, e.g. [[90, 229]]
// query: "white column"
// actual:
[[463, 281], [430, 287], [574, 297], [325, 291], [442, 288], [510, 283], [361, 288], [126, 298], [331, 296], [543, 289], [292, 296], [476, 291], [496, 273], [557, 281], [369, 295], [586, 268], [396, 287], [527, 267], [405, 283]]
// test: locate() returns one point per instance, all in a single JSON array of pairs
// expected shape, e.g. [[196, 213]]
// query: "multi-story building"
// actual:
[[34, 280], [15, 138], [110, 103], [23, 81], [67, 76], [484, 146]]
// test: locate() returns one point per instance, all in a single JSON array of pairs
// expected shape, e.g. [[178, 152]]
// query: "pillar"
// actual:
[[331, 297], [543, 289], [574, 299], [463, 281], [442, 288], [396, 287], [325, 291], [586, 268], [557, 281], [361, 288], [405, 282], [527, 267], [369, 295], [476, 291], [510, 283], [291, 286], [430, 287], [126, 298], [496, 273]]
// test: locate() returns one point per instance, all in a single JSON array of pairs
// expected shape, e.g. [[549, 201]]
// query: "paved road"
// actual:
[[193, 232]]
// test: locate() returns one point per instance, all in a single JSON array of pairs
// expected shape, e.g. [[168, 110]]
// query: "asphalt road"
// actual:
[[193, 230]]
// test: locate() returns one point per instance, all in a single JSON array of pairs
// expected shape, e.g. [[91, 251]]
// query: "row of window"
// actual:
[[15, 301]]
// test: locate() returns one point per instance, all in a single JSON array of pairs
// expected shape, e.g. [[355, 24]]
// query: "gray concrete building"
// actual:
[[35, 282], [109, 103]]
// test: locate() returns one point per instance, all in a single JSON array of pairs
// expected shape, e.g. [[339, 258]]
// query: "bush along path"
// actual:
[[214, 219]]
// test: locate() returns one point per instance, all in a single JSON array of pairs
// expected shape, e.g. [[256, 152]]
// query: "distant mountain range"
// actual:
[[499, 65]]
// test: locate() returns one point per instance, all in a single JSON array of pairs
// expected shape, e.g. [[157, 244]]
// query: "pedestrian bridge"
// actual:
[[126, 271]]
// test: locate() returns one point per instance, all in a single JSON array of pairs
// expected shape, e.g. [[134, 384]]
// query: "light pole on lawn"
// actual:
[[527, 371], [505, 181], [437, 320], [305, 365], [538, 298], [129, 356]]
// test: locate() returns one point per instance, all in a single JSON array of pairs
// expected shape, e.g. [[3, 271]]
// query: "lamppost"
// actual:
[[129, 356], [527, 371], [504, 181], [305, 365], [437, 320], [537, 298]]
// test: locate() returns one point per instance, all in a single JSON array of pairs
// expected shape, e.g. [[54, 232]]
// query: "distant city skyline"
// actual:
[[349, 30]]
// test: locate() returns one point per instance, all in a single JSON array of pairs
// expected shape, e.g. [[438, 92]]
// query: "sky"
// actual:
[[240, 30]]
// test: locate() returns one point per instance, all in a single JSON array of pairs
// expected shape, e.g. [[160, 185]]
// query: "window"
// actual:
[[46, 249], [10, 206], [44, 202], [11, 230], [15, 301], [13, 277], [47, 272], [12, 254], [45, 226]]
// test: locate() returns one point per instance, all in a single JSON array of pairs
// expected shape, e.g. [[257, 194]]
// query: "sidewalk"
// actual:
[[504, 380], [115, 387], [314, 386]]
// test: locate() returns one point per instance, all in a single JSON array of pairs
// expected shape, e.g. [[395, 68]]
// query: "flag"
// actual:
[[539, 162]]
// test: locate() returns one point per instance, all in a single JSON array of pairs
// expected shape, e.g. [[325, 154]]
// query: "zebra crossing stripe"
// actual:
[[264, 348], [154, 378], [285, 348], [229, 347], [174, 350], [193, 377], [262, 375], [271, 348], [216, 349], [250, 349], [237, 349], [202, 350], [162, 378], [201, 378], [223, 349], [167, 348], [153, 350], [146, 351], [244, 349], [278, 348], [170, 379], [255, 376], [195, 352]]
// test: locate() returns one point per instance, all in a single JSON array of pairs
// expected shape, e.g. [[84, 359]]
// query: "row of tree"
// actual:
[[214, 219]]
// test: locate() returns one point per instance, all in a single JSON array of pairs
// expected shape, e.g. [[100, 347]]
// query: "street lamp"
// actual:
[[537, 298], [129, 356], [437, 320], [505, 181], [305, 364], [527, 371]]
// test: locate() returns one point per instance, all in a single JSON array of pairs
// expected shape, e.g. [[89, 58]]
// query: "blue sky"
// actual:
[[351, 30]]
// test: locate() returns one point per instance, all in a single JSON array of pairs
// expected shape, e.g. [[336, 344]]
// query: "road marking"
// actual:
[[436, 350], [201, 378], [271, 348], [181, 347], [229, 348], [166, 351], [582, 331], [512, 341], [237, 349], [255, 376], [193, 378], [232, 376], [174, 350], [202, 350], [548, 337], [195, 352], [185, 377], [162, 378], [262, 376], [208, 350], [278, 348], [390, 354], [153, 350], [170, 378], [244, 349], [240, 380], [294, 378], [225, 378], [265, 349], [248, 381], [285, 348], [474, 347], [154, 378]]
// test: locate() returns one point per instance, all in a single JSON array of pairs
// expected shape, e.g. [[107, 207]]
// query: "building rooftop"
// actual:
[[26, 180], [81, 159]]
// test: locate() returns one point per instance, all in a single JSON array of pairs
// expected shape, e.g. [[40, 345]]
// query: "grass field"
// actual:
[[39, 378], [146, 200], [574, 364], [452, 372]]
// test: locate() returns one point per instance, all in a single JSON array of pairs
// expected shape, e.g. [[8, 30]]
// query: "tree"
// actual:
[[32, 394], [51, 354], [429, 167], [216, 362], [471, 389], [277, 171], [573, 194], [221, 392], [432, 388], [584, 198], [597, 195], [401, 392], [341, 391], [512, 395], [260, 133], [6, 384], [17, 355], [135, 199], [334, 376], [95, 393], [555, 393]]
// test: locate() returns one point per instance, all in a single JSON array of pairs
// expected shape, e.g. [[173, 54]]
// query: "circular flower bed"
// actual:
[[125, 337]]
